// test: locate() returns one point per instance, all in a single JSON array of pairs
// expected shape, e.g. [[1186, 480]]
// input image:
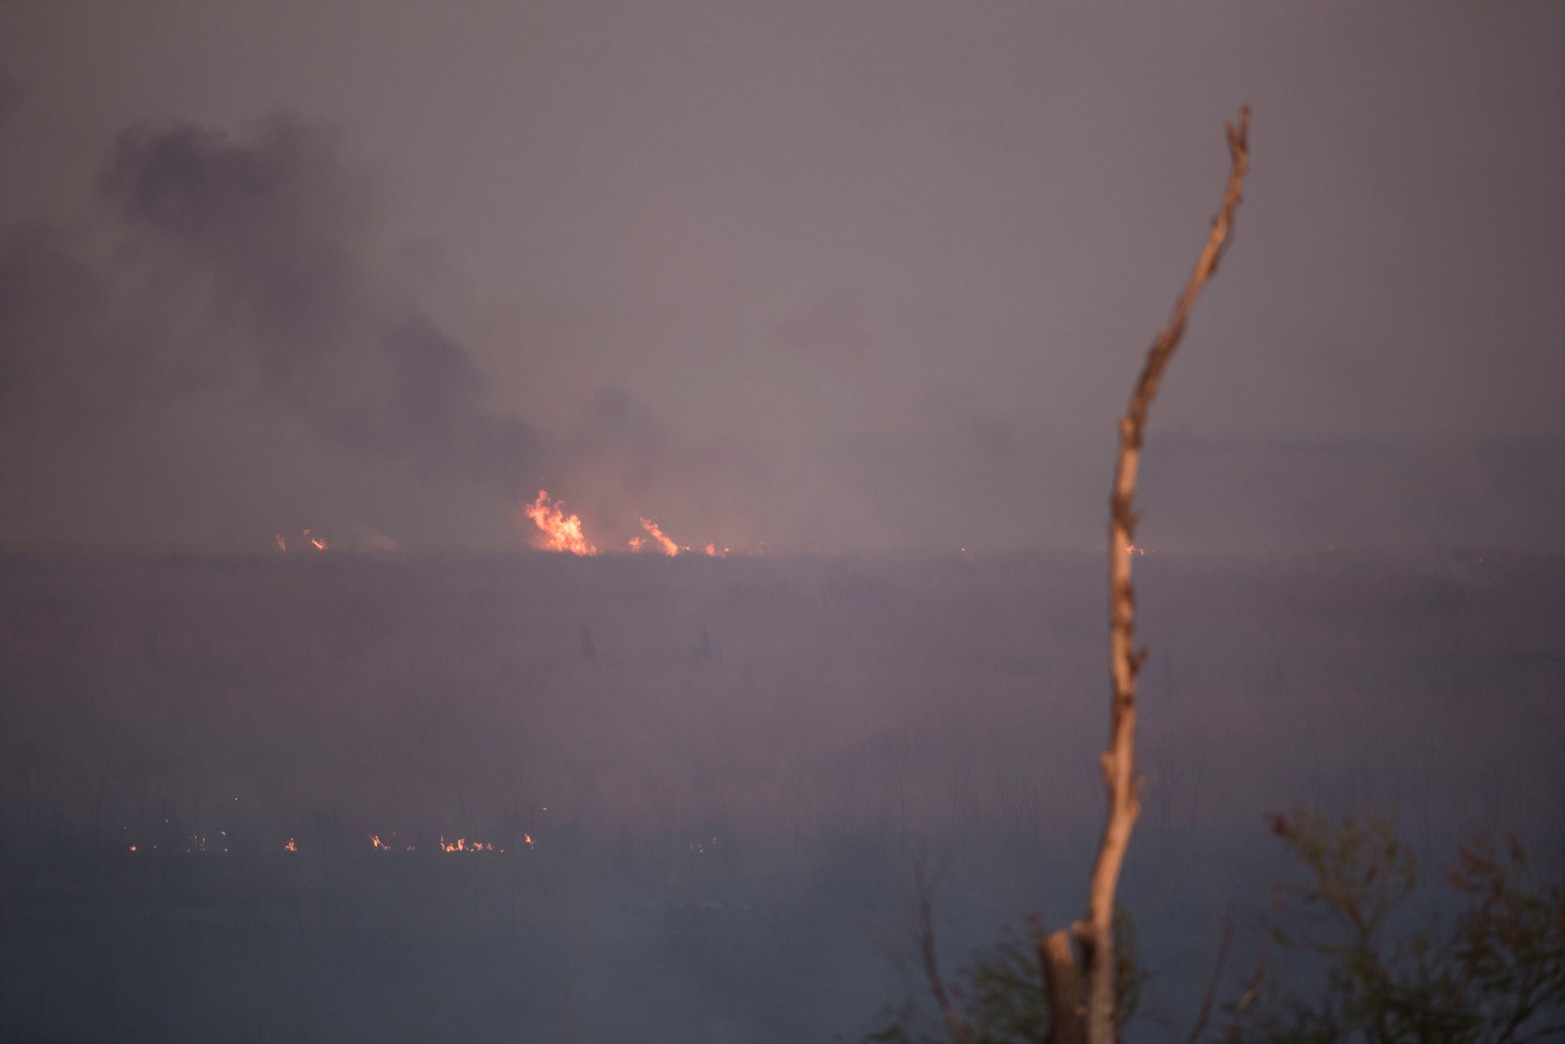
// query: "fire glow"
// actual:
[[667, 546], [306, 539], [202, 845], [560, 531], [557, 531]]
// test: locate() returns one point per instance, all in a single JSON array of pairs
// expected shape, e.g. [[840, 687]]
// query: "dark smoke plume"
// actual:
[[238, 317]]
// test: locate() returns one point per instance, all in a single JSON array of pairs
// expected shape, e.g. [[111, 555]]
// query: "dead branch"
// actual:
[[1125, 660], [1252, 985], [1217, 978], [923, 908]]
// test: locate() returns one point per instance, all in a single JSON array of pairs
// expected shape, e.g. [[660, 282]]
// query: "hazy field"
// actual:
[[725, 767]]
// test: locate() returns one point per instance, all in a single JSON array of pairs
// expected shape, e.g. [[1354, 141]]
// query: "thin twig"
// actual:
[[1217, 977], [1252, 985], [1527, 1011], [923, 900], [1125, 660]]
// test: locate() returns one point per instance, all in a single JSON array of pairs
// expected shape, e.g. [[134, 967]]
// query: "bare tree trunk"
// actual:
[[1118, 761], [1061, 980], [1087, 1015]]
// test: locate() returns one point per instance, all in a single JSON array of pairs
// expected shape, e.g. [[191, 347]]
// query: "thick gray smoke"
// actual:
[[220, 344], [226, 341]]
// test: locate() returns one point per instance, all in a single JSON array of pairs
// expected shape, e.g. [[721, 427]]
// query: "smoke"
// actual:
[[54, 348], [620, 460], [226, 340], [215, 349]]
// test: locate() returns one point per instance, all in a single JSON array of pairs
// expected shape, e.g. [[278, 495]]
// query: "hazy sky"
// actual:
[[820, 276]]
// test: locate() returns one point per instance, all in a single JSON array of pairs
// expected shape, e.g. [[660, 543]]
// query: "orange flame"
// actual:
[[280, 542], [557, 531], [561, 531], [667, 546], [291, 846]]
